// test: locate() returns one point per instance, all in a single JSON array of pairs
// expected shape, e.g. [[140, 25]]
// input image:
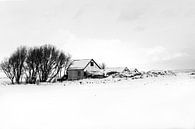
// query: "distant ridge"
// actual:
[[184, 70]]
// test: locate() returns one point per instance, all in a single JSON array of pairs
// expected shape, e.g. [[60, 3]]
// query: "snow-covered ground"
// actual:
[[150, 103]]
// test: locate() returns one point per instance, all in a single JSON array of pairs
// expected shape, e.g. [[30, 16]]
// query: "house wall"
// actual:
[[75, 74], [92, 68]]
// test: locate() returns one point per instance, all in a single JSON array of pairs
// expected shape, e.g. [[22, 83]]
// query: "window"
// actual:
[[92, 64]]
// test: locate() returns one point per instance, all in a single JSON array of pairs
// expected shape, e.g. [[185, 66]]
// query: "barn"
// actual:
[[83, 68]]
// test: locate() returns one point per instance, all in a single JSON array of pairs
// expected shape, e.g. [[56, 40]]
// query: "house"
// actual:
[[80, 69], [113, 70], [134, 70], [123, 70]]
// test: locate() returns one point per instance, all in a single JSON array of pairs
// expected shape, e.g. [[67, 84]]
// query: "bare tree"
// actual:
[[52, 62], [17, 60], [49, 55], [59, 64], [14, 66], [63, 71], [8, 69], [32, 65], [103, 66]]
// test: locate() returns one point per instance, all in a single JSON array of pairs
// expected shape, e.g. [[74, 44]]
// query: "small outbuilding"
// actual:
[[121, 70], [134, 70], [83, 68], [113, 70]]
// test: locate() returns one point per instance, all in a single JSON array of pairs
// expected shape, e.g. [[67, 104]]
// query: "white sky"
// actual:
[[150, 34]]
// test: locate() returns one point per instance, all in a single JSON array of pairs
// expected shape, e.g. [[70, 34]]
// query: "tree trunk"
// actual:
[[12, 80]]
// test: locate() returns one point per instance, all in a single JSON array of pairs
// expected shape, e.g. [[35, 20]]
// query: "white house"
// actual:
[[80, 69]]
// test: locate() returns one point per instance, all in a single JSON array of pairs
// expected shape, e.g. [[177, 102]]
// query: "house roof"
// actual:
[[80, 64], [133, 69], [119, 69], [115, 69]]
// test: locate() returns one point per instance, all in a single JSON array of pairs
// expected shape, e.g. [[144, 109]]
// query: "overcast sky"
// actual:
[[152, 34]]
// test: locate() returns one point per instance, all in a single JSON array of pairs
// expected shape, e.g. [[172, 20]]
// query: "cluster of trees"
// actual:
[[36, 64]]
